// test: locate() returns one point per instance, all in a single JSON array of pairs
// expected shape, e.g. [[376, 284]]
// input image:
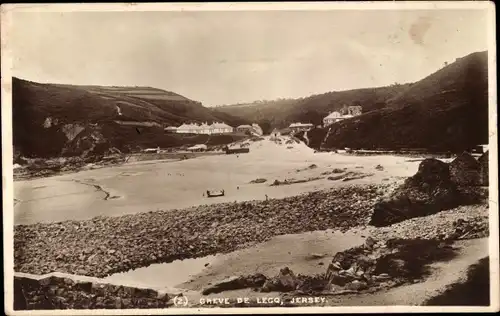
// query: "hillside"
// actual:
[[447, 110], [281, 113], [54, 119]]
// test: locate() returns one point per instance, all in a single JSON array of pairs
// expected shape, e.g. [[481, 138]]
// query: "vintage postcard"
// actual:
[[248, 158]]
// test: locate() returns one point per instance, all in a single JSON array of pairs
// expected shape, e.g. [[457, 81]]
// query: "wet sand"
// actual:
[[308, 253]]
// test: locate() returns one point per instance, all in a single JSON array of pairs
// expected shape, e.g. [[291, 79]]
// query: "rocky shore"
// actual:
[[55, 292], [107, 245], [463, 222]]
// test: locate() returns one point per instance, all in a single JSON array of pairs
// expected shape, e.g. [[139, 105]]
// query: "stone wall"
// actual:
[[59, 292]]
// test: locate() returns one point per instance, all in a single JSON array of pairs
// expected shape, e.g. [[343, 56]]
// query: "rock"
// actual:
[[357, 285], [285, 281], [259, 180], [465, 170], [340, 279], [484, 169], [118, 304], [20, 302], [84, 286], [163, 296], [45, 281], [317, 255], [370, 242], [379, 167], [429, 191], [381, 277], [99, 302], [127, 303], [236, 283], [269, 285]]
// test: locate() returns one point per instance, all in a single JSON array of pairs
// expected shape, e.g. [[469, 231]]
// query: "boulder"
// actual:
[[19, 298], [483, 169], [370, 242], [427, 192], [340, 279], [286, 281], [465, 170]]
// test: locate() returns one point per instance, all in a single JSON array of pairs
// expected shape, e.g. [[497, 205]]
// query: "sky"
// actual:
[[241, 56]]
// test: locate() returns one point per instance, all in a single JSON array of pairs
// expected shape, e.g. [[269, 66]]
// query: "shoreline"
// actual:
[[106, 245], [100, 165]]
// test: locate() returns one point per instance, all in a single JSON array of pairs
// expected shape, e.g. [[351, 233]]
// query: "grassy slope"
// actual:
[[87, 105], [446, 110], [268, 114], [280, 113]]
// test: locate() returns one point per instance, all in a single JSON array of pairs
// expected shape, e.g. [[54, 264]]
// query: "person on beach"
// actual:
[[267, 197]]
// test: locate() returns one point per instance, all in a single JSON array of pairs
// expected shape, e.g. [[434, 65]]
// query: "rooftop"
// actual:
[[204, 126], [301, 125], [334, 114]]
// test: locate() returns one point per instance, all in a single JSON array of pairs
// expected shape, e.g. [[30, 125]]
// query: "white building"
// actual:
[[188, 129], [298, 127], [220, 128], [215, 128], [336, 116]]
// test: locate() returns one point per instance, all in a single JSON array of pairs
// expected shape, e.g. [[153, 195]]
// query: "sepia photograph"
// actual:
[[238, 158]]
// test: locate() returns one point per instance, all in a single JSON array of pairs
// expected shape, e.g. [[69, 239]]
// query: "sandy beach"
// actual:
[[149, 186]]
